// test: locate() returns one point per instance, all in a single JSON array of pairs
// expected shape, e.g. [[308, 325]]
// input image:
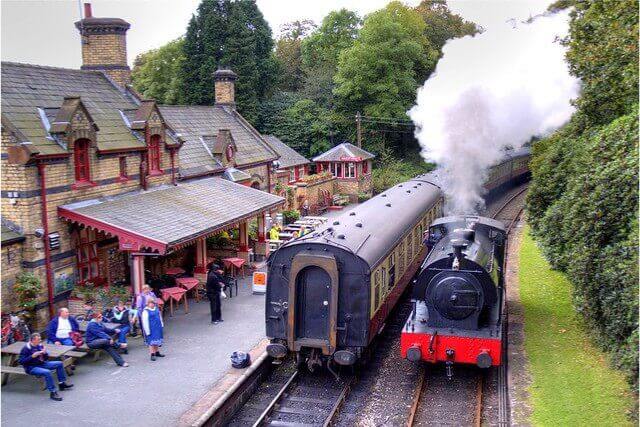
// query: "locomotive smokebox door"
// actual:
[[313, 301]]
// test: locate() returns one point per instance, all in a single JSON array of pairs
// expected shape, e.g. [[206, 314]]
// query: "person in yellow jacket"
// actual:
[[274, 233]]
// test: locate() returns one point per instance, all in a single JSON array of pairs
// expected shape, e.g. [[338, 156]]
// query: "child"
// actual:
[[152, 326]]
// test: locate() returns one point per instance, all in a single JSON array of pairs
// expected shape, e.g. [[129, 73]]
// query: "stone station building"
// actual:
[[95, 179], [351, 166]]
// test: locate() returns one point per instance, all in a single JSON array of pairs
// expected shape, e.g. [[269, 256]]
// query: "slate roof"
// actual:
[[197, 125], [172, 215], [10, 234], [346, 149], [288, 156], [26, 88]]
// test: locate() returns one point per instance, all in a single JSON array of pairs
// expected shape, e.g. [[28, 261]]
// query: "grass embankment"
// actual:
[[573, 385]]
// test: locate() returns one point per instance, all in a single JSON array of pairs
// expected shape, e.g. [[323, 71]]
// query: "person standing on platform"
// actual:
[[305, 208], [214, 286], [152, 328]]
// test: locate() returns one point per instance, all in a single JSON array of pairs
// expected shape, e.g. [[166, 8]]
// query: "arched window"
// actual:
[[153, 154], [81, 160]]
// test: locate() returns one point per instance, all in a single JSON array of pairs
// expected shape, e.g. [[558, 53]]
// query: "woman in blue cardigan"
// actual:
[[152, 326]]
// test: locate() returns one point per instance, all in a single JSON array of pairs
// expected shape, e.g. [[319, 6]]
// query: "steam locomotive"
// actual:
[[458, 295]]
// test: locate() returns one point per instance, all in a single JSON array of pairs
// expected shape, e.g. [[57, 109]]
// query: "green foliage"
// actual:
[[232, 34], [390, 170], [27, 288], [380, 73], [363, 197], [156, 73], [288, 53], [290, 216], [583, 200], [87, 291], [603, 52], [441, 24], [110, 296]]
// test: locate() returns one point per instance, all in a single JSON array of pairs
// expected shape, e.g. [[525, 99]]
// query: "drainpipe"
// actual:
[[45, 238], [269, 169]]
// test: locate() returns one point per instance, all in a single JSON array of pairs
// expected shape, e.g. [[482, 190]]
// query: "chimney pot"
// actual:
[[87, 10], [225, 87]]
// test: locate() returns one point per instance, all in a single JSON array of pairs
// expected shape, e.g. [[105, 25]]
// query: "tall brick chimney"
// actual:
[[225, 87], [104, 46]]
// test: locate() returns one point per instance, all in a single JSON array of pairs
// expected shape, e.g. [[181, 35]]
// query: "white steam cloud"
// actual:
[[489, 92]]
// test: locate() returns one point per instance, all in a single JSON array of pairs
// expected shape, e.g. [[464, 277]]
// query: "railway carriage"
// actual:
[[329, 293]]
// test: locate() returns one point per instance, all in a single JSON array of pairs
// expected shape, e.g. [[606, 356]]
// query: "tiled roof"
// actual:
[[26, 88], [174, 214], [342, 151], [193, 123], [10, 233], [288, 156]]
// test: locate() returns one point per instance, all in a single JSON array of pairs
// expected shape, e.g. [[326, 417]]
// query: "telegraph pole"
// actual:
[[359, 129]]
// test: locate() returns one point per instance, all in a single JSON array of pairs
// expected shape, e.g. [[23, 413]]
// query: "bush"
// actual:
[[363, 197], [389, 171], [27, 288], [582, 205], [290, 216]]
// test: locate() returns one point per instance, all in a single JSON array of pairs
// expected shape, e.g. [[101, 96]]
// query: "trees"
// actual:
[[583, 199], [288, 53], [441, 24], [233, 34], [155, 73], [380, 73]]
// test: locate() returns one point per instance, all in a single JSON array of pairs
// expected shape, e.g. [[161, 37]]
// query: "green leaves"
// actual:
[[156, 73]]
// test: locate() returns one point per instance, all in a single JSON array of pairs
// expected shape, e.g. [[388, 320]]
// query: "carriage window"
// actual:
[[392, 270], [376, 290], [384, 276]]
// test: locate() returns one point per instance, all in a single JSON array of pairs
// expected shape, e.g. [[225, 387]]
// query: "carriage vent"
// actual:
[[336, 222], [352, 213], [341, 236], [359, 225], [388, 205]]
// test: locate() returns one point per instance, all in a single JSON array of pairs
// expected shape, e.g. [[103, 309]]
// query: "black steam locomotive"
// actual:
[[459, 294]]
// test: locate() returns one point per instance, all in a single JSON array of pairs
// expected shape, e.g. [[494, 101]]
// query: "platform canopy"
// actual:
[[170, 217]]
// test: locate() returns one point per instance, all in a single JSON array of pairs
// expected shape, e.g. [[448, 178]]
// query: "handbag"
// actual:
[[77, 339]]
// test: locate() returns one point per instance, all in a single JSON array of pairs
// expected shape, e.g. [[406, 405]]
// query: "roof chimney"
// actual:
[[104, 46], [225, 87]]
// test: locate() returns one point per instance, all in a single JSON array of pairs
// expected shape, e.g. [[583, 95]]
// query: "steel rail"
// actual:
[[477, 422], [416, 397], [263, 416], [508, 202], [341, 398]]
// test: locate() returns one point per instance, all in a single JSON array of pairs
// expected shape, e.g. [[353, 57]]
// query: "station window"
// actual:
[[87, 255], [350, 170], [292, 175], [153, 155], [365, 167], [122, 164], [81, 161]]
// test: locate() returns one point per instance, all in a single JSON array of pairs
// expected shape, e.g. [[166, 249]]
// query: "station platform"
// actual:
[[166, 392]]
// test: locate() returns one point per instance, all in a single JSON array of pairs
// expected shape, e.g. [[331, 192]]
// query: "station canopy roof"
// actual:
[[167, 218]]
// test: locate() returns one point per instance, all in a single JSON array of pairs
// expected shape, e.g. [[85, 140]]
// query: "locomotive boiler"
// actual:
[[458, 295]]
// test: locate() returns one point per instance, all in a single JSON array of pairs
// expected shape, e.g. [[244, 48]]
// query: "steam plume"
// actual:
[[491, 91]]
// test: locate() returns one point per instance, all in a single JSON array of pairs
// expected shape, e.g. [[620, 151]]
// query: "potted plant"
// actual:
[[27, 288]]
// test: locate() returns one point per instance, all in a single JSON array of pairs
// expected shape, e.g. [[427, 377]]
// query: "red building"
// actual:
[[351, 166]]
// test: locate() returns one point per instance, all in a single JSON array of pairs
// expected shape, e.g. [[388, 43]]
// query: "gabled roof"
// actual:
[[195, 122], [165, 218], [344, 152], [31, 94], [288, 156]]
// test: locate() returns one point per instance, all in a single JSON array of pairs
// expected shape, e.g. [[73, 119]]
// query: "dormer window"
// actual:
[[81, 161], [153, 155]]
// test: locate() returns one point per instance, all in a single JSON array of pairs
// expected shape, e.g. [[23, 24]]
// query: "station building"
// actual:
[[351, 166], [100, 185]]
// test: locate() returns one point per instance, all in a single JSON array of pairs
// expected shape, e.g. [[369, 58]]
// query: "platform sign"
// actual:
[[259, 285]]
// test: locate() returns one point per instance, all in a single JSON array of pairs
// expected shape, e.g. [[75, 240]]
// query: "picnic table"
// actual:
[[189, 283], [174, 271], [175, 294], [233, 264], [83, 325], [11, 352]]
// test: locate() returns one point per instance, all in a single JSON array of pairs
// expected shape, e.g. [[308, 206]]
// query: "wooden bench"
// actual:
[[19, 370]]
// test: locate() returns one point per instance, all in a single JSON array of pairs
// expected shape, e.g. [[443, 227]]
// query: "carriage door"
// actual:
[[313, 301], [314, 293]]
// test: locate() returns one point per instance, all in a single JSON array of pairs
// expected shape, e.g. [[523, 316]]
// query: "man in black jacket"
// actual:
[[35, 361], [214, 285]]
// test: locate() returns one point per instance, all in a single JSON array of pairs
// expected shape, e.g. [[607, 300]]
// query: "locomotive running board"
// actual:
[[327, 262]]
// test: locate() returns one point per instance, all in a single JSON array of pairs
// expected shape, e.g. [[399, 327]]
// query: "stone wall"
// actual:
[[11, 266], [312, 192], [259, 175], [353, 186]]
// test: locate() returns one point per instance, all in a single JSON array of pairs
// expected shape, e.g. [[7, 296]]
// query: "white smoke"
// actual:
[[495, 90]]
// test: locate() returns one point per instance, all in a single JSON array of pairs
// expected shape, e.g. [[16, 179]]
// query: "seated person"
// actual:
[[99, 337], [33, 357], [121, 316], [59, 328]]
